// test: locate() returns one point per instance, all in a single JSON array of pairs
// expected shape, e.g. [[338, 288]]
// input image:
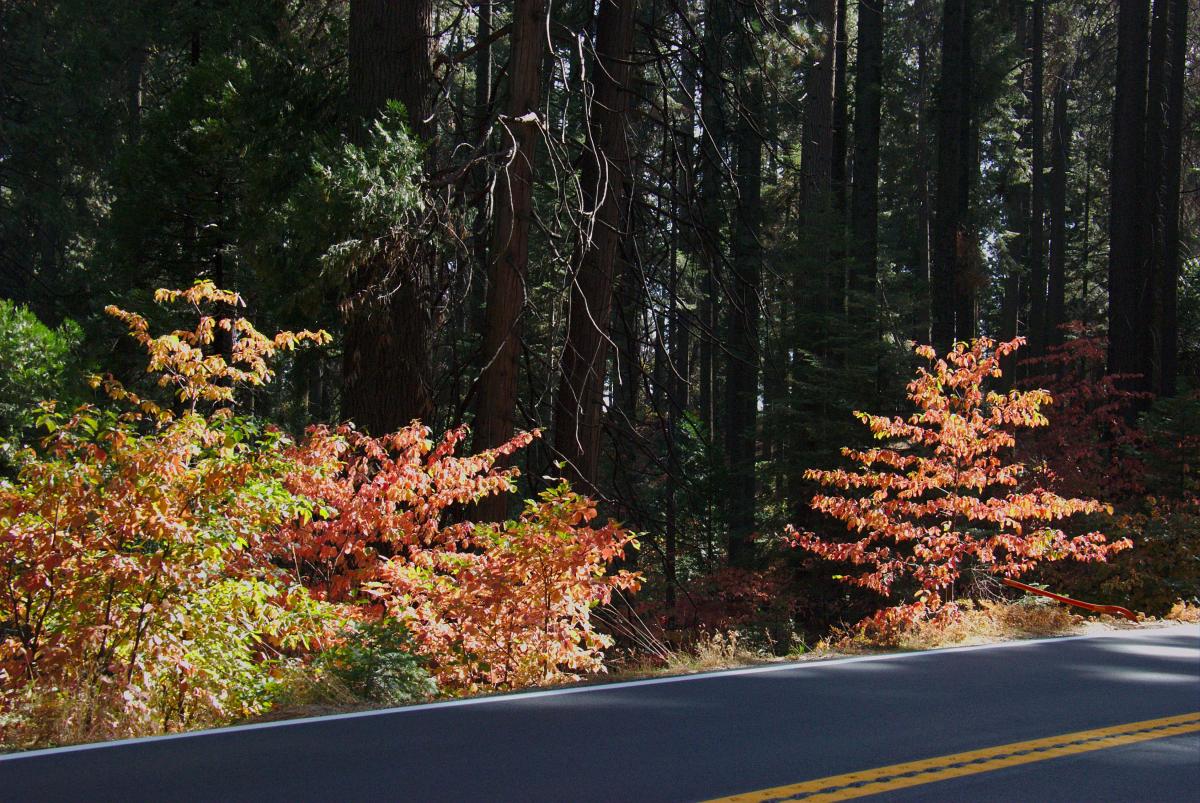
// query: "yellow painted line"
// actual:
[[915, 773]]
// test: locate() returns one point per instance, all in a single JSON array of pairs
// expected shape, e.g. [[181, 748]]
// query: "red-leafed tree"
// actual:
[[941, 497]]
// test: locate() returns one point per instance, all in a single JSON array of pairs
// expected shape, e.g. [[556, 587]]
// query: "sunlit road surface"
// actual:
[[1080, 719]]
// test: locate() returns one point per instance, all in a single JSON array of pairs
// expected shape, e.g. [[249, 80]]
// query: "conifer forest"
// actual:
[[361, 352]]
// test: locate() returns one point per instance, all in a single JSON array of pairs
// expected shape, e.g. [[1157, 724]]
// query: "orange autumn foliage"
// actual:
[[486, 604], [162, 561], [133, 594], [941, 497]]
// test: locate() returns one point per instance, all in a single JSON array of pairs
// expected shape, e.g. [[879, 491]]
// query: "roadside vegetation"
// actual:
[[515, 343], [169, 562]]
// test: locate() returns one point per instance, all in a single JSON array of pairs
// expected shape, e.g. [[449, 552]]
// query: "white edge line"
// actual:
[[594, 687]]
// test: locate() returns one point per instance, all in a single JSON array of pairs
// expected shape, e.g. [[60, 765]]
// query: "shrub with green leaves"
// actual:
[[39, 363], [376, 663]]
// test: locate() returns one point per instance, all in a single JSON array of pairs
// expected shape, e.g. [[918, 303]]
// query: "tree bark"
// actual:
[[509, 250], [1166, 302], [1130, 279], [823, 285], [1037, 182], [605, 173], [746, 266], [386, 369], [952, 294], [816, 155], [864, 199], [1060, 143], [711, 206], [840, 127]]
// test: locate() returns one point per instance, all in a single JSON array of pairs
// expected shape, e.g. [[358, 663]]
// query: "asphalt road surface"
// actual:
[[1076, 719]]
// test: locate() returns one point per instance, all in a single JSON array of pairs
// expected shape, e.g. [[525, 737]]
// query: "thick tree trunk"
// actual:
[[605, 174], [509, 251], [952, 294], [1130, 278], [386, 369], [816, 155], [864, 199], [746, 266]]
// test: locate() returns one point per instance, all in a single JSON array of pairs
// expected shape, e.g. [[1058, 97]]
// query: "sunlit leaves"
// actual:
[[945, 494]]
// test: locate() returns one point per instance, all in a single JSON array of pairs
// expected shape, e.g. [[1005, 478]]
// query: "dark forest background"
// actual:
[[685, 239]]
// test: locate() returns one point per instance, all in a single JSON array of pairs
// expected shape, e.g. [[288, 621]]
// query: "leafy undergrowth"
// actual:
[[170, 565]]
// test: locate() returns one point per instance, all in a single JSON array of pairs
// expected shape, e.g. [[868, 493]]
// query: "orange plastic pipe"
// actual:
[[1115, 610]]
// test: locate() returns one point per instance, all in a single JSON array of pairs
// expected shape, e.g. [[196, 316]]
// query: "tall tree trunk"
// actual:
[[864, 199], [746, 267], [605, 174], [1060, 143], [952, 294], [1130, 279], [386, 368], [840, 127], [1166, 302], [480, 183], [816, 155], [923, 328], [1037, 182], [509, 250], [712, 211], [822, 282]]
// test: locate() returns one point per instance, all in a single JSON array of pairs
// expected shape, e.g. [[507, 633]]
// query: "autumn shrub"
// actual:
[[1146, 467], [488, 605], [941, 497], [134, 598], [757, 603], [166, 563]]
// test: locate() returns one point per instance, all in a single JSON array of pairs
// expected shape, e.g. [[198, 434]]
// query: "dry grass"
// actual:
[[712, 651], [1183, 611], [974, 623]]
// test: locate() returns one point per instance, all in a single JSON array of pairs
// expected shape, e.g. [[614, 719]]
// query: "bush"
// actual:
[[135, 597], [942, 497], [38, 365], [166, 564], [487, 604], [376, 663]]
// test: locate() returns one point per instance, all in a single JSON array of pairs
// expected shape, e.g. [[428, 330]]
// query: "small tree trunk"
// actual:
[[1167, 316], [1037, 186]]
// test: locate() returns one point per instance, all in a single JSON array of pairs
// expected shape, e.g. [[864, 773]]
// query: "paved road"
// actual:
[[697, 738]]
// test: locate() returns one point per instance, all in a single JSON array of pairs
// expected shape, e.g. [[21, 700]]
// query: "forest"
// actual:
[[607, 330]]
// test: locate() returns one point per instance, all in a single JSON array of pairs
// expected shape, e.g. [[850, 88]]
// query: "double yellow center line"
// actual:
[[916, 773]]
